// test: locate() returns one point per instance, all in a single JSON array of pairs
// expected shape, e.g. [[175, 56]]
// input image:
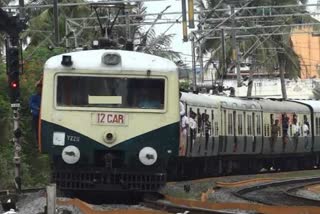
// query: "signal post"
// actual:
[[12, 26], [13, 71]]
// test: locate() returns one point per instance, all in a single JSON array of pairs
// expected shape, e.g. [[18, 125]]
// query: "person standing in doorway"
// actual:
[[275, 129], [305, 132], [285, 128], [184, 124], [296, 133], [181, 106], [34, 104], [207, 129]]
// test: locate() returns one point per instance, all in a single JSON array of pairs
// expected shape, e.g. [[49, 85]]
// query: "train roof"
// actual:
[[314, 104], [202, 100], [130, 61], [206, 100], [237, 103], [282, 106]]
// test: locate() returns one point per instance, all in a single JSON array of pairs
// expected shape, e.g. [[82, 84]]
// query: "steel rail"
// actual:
[[173, 208], [285, 198], [291, 193]]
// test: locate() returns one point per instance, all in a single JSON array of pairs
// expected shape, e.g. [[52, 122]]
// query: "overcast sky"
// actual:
[[177, 43], [175, 6]]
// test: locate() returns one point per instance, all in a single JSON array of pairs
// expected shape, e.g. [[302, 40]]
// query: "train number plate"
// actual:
[[108, 118]]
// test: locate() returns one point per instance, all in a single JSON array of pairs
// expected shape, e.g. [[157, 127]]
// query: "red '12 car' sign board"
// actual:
[[108, 118]]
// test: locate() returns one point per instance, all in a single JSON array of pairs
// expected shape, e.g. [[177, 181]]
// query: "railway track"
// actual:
[[280, 193], [174, 208]]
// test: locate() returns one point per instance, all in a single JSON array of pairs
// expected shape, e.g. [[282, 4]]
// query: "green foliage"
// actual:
[[6, 148], [42, 22], [159, 45], [269, 51], [35, 167], [184, 85]]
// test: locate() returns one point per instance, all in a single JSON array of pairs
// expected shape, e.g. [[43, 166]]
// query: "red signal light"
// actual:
[[14, 84]]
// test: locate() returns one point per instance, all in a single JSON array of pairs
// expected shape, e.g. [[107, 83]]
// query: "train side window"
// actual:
[[199, 120], [258, 123], [206, 123], [317, 126], [249, 124], [230, 124], [216, 127], [317, 132], [240, 128], [212, 124], [267, 120]]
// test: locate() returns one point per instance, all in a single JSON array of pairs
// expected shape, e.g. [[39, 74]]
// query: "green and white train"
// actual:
[[110, 121]]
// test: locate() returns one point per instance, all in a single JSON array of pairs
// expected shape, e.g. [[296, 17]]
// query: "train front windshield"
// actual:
[[110, 92]]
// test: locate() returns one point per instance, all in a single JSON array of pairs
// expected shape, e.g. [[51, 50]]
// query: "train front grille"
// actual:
[[108, 180], [109, 159]]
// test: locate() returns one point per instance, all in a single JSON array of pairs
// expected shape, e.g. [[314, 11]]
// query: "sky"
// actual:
[[177, 43], [175, 6]]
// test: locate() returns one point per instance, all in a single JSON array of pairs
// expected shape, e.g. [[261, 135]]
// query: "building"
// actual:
[[307, 46]]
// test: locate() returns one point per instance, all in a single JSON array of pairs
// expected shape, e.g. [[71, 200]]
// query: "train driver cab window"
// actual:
[[110, 92]]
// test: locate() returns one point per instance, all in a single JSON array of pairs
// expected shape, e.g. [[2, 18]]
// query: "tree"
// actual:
[[151, 43], [159, 45], [269, 52], [40, 31]]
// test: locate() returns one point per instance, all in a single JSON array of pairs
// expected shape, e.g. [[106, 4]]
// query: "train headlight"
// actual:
[[111, 59], [148, 156], [109, 137], [70, 154]]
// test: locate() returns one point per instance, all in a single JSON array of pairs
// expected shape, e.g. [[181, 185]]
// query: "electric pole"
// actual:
[[201, 60], [224, 56], [194, 79], [235, 48], [56, 22]]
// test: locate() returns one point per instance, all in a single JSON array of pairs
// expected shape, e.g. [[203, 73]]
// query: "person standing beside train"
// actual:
[[34, 104]]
